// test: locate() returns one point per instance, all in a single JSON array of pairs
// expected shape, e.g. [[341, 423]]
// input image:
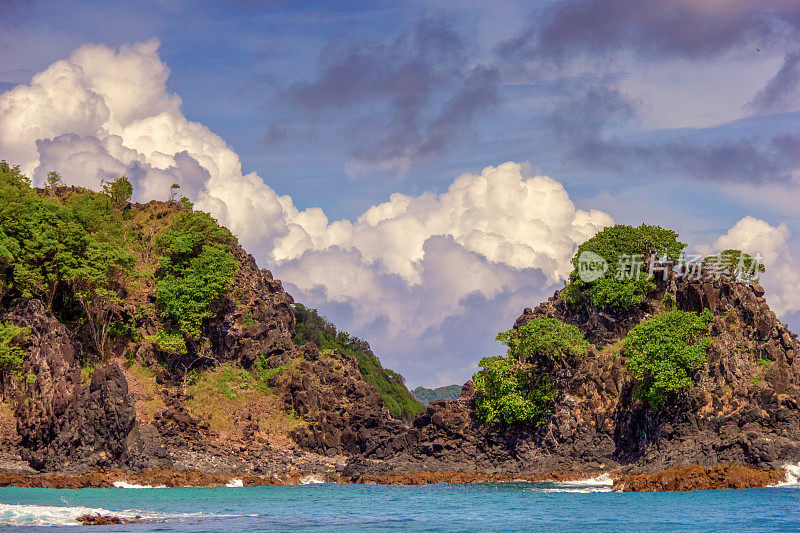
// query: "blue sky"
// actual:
[[677, 113]]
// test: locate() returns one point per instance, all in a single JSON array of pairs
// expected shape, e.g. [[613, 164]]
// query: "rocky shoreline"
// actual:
[[682, 478], [267, 392]]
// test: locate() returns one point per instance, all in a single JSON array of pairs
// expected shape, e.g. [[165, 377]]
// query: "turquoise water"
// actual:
[[512, 507]]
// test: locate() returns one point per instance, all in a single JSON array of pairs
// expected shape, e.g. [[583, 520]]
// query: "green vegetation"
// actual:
[[11, 354], [119, 191], [53, 181], [264, 372], [229, 380], [734, 263], [544, 339], [517, 387], [171, 343], [668, 301], [626, 282], [195, 271], [664, 351], [72, 250], [426, 396], [216, 393], [763, 362], [247, 318], [311, 327], [75, 250]]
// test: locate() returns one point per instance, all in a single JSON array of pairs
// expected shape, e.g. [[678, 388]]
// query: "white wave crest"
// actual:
[[601, 483], [47, 515], [792, 476], [235, 483], [126, 485], [312, 479]]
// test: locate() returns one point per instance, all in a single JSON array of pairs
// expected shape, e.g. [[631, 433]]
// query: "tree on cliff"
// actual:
[[518, 387], [47, 245], [664, 351], [119, 191], [195, 271], [625, 283]]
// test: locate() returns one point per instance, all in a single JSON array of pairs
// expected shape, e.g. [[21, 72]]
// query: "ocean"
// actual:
[[513, 507]]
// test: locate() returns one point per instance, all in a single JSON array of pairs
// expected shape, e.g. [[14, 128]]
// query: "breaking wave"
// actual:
[[47, 515], [792, 476], [311, 479], [601, 483], [126, 485]]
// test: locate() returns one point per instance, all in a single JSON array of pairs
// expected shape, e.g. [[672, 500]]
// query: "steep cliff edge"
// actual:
[[140, 336], [744, 407]]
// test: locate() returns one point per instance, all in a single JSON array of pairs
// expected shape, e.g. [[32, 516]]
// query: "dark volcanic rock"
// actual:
[[344, 414], [53, 358], [93, 430], [744, 409], [266, 329]]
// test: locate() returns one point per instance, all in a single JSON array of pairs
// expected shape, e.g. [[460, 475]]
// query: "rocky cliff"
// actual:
[[744, 409], [238, 394], [102, 369]]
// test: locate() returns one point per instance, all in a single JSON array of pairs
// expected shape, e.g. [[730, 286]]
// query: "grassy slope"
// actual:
[[311, 327], [426, 396]]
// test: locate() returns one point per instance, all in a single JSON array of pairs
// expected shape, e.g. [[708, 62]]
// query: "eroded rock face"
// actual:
[[344, 414], [93, 430], [744, 409], [262, 325], [53, 358]]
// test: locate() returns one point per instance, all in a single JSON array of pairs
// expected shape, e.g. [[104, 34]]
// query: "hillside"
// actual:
[[142, 335], [144, 338], [695, 370], [426, 396]]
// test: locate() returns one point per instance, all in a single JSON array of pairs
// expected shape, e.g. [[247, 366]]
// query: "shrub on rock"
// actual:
[[664, 351], [517, 387]]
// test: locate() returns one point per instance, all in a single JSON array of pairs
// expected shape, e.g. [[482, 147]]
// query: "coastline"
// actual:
[[681, 478]]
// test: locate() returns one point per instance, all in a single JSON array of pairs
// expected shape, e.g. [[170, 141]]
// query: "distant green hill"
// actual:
[[426, 396]]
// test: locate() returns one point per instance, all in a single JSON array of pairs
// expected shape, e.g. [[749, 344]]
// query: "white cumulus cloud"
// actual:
[[782, 277], [428, 279]]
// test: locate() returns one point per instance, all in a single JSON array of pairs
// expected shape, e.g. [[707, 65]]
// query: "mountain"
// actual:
[[142, 339], [738, 401], [136, 336], [426, 396]]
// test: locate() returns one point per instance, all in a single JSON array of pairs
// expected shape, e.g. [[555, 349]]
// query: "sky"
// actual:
[[421, 172]]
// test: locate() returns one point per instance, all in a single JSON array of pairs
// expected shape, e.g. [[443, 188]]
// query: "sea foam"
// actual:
[[126, 485], [792, 476], [601, 483], [47, 515]]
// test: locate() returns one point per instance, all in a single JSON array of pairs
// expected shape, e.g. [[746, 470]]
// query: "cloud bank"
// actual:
[[428, 279], [404, 274]]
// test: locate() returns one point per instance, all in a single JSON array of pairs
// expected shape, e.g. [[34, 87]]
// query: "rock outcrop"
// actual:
[[744, 409], [722, 476], [344, 414], [93, 430], [53, 360], [133, 408]]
